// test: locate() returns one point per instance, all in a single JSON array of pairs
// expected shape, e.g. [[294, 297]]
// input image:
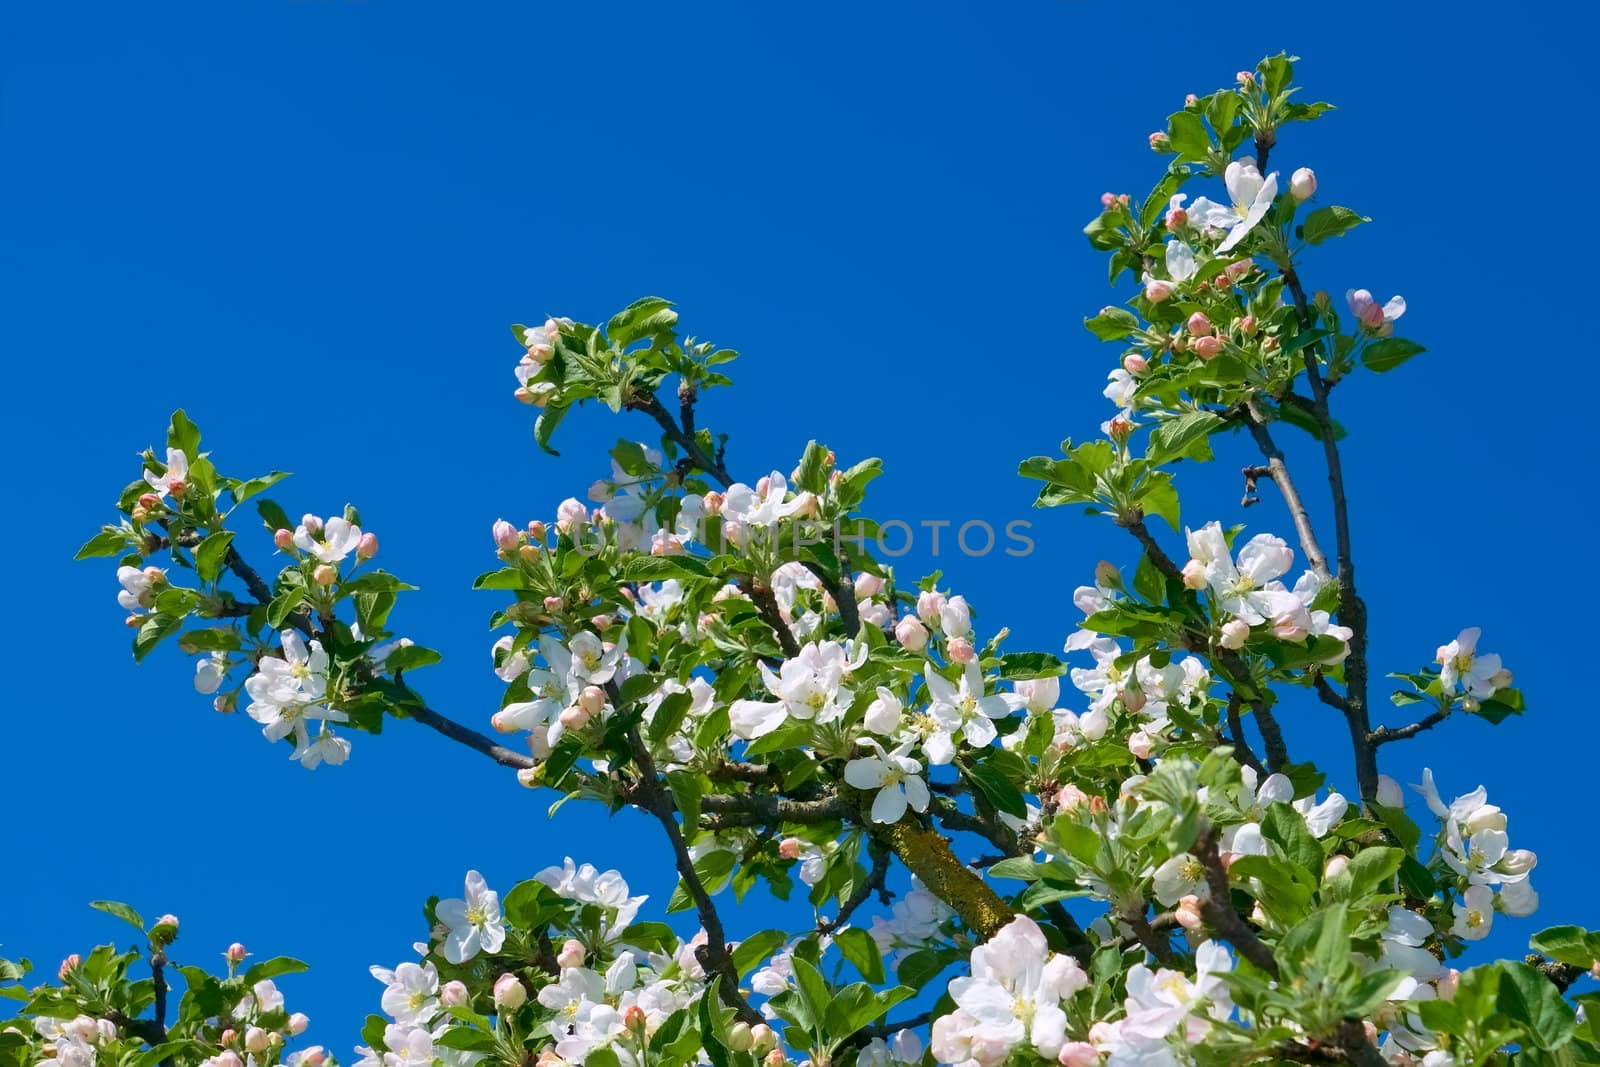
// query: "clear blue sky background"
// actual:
[[309, 221]]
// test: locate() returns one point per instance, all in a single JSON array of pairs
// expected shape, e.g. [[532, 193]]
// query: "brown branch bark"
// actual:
[[1217, 909], [714, 954]]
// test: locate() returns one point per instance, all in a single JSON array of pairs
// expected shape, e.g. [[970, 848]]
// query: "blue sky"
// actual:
[[309, 222]]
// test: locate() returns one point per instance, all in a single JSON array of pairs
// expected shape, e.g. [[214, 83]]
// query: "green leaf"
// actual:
[[1187, 133], [1176, 438], [274, 516], [209, 556], [998, 788], [1021, 666], [121, 911], [1326, 223], [1160, 497], [545, 425], [1572, 945], [410, 658], [1286, 828], [669, 716], [921, 967], [812, 474], [857, 946], [1531, 999], [273, 967], [1112, 324], [151, 632], [283, 605], [1019, 867], [245, 490], [812, 988], [756, 948], [1387, 353], [642, 318], [108, 542], [184, 435], [531, 904], [466, 1039], [642, 568]]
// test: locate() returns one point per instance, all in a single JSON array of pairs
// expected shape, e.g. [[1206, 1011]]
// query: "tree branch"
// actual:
[[873, 883], [1278, 470], [1383, 734], [1217, 908], [715, 951], [471, 738]]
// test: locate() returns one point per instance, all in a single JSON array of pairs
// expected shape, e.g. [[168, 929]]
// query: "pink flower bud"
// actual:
[[139, 513], [367, 547], [1198, 325], [1190, 100], [284, 539], [1239, 268], [235, 953], [1078, 1054], [960, 650], [505, 535], [1119, 428], [1303, 183], [1247, 325], [1107, 199], [762, 1036], [1289, 628], [1372, 316], [1123, 198], [453, 994], [1177, 218], [1187, 913], [602, 622], [775, 1058], [225, 702], [228, 1058], [168, 919], [1159, 141], [315, 1056], [574, 718], [868, 585], [325, 574], [592, 699], [1336, 865], [509, 993], [1157, 289], [635, 1020], [1134, 363], [68, 965], [805, 505], [1207, 347], [912, 635], [312, 523], [1139, 744], [763, 484], [571, 954], [929, 604], [789, 848], [529, 553], [1245, 78], [1133, 700], [298, 1023], [1194, 575], [1235, 632], [1069, 797], [256, 1040], [149, 500]]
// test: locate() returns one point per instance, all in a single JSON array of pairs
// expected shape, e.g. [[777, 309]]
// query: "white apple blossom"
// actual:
[[808, 687], [1474, 913], [761, 506], [1462, 668], [173, 479], [411, 992], [895, 776], [474, 921], [328, 542], [1252, 196], [960, 707], [1013, 995]]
